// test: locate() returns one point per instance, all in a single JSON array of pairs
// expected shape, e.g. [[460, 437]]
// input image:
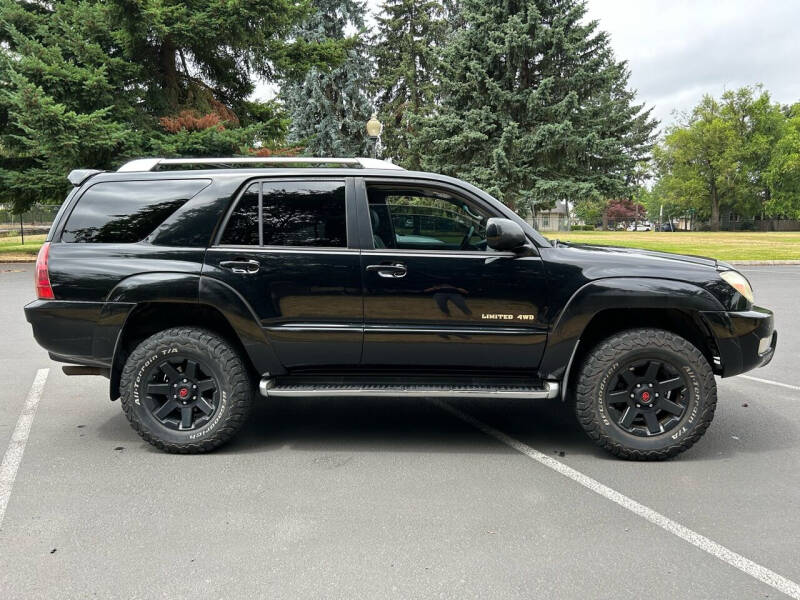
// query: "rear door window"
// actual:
[[304, 213], [242, 227], [127, 211], [292, 213]]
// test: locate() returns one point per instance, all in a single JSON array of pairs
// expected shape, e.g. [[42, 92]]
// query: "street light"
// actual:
[[374, 130]]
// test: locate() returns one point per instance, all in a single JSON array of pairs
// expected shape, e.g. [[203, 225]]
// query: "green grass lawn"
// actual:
[[720, 245], [12, 248]]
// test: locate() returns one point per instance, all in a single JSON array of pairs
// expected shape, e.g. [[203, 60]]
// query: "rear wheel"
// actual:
[[186, 390], [645, 394]]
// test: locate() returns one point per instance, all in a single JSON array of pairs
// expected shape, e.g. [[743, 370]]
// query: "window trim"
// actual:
[[345, 181]]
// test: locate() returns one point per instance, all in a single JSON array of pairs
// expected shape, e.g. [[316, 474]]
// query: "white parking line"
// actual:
[[16, 447], [770, 382], [780, 583]]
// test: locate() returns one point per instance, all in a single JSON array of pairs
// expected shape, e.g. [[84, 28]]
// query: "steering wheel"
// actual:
[[467, 238]]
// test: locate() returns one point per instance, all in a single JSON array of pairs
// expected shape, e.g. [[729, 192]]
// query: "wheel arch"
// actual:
[[148, 318], [602, 308]]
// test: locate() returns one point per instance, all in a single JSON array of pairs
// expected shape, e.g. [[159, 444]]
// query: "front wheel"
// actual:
[[645, 394], [186, 390]]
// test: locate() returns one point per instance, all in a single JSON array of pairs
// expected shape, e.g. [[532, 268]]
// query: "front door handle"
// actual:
[[242, 267], [389, 270]]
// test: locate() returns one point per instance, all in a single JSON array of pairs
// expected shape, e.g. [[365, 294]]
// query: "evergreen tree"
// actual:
[[215, 46], [89, 83], [410, 33], [329, 108], [63, 100], [534, 106]]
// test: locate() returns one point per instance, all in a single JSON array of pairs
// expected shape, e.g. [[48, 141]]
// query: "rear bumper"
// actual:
[[83, 333], [746, 340]]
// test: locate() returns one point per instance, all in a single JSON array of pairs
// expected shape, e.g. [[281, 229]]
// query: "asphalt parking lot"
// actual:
[[396, 499]]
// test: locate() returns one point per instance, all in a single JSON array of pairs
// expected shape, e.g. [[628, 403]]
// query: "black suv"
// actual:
[[195, 284]]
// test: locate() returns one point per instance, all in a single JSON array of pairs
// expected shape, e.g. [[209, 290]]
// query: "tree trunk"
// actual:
[[714, 208], [169, 74], [605, 219]]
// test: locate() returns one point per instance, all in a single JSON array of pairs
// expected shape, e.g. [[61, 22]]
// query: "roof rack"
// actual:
[[152, 164]]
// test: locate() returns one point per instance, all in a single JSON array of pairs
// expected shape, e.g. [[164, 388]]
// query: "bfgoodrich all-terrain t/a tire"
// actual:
[[186, 390], [645, 394]]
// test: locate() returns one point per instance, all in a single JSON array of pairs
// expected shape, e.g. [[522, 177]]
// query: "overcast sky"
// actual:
[[677, 50]]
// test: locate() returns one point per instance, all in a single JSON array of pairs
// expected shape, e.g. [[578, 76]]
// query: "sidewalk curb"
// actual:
[[762, 262], [16, 259]]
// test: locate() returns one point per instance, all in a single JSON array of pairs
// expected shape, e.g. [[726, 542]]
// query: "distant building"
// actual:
[[555, 218]]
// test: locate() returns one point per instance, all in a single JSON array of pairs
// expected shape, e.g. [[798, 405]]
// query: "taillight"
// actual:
[[43, 288]]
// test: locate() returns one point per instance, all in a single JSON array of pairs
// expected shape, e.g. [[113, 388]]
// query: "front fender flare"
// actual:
[[615, 293]]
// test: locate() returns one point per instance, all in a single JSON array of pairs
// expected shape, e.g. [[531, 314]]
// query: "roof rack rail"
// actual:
[[152, 164]]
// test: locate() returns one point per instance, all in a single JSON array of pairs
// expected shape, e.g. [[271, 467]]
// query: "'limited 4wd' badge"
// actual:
[[501, 317]]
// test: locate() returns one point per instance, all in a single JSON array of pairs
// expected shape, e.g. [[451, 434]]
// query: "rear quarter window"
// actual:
[[127, 211]]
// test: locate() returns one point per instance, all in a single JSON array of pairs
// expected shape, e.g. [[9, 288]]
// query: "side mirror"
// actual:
[[505, 235]]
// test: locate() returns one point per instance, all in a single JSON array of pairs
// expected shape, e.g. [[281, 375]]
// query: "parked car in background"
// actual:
[[640, 227]]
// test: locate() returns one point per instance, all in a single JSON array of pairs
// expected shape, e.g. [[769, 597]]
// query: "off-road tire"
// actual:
[[605, 359], [235, 389]]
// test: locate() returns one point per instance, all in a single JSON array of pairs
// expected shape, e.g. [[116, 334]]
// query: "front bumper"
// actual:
[[745, 339]]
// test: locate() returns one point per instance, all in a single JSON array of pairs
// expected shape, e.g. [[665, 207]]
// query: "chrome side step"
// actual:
[[271, 388]]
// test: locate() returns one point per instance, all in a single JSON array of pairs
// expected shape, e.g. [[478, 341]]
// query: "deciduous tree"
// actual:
[[782, 175], [719, 156]]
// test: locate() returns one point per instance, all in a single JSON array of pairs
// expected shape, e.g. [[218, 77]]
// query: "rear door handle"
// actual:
[[389, 270], [243, 267]]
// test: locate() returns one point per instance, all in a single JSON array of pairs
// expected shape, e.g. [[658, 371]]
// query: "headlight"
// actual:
[[737, 281]]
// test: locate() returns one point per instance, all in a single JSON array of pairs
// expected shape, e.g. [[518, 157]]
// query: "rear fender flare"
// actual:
[[156, 287], [245, 323], [186, 288]]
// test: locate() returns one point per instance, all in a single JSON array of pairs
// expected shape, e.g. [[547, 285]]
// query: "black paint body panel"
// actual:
[[452, 311], [319, 309], [79, 332], [308, 302], [738, 335]]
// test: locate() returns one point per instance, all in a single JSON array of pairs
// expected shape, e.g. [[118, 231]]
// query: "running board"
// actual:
[[271, 388]]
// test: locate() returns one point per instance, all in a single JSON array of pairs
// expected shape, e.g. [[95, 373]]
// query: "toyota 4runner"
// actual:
[[196, 284]]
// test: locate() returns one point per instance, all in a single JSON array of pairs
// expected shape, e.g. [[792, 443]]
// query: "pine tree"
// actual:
[[534, 106], [89, 83], [46, 132], [409, 35], [329, 108]]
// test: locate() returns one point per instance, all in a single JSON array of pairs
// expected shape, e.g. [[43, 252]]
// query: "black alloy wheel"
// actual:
[[182, 393], [647, 397]]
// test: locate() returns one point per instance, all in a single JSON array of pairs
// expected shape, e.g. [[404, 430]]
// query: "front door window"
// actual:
[[425, 219]]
